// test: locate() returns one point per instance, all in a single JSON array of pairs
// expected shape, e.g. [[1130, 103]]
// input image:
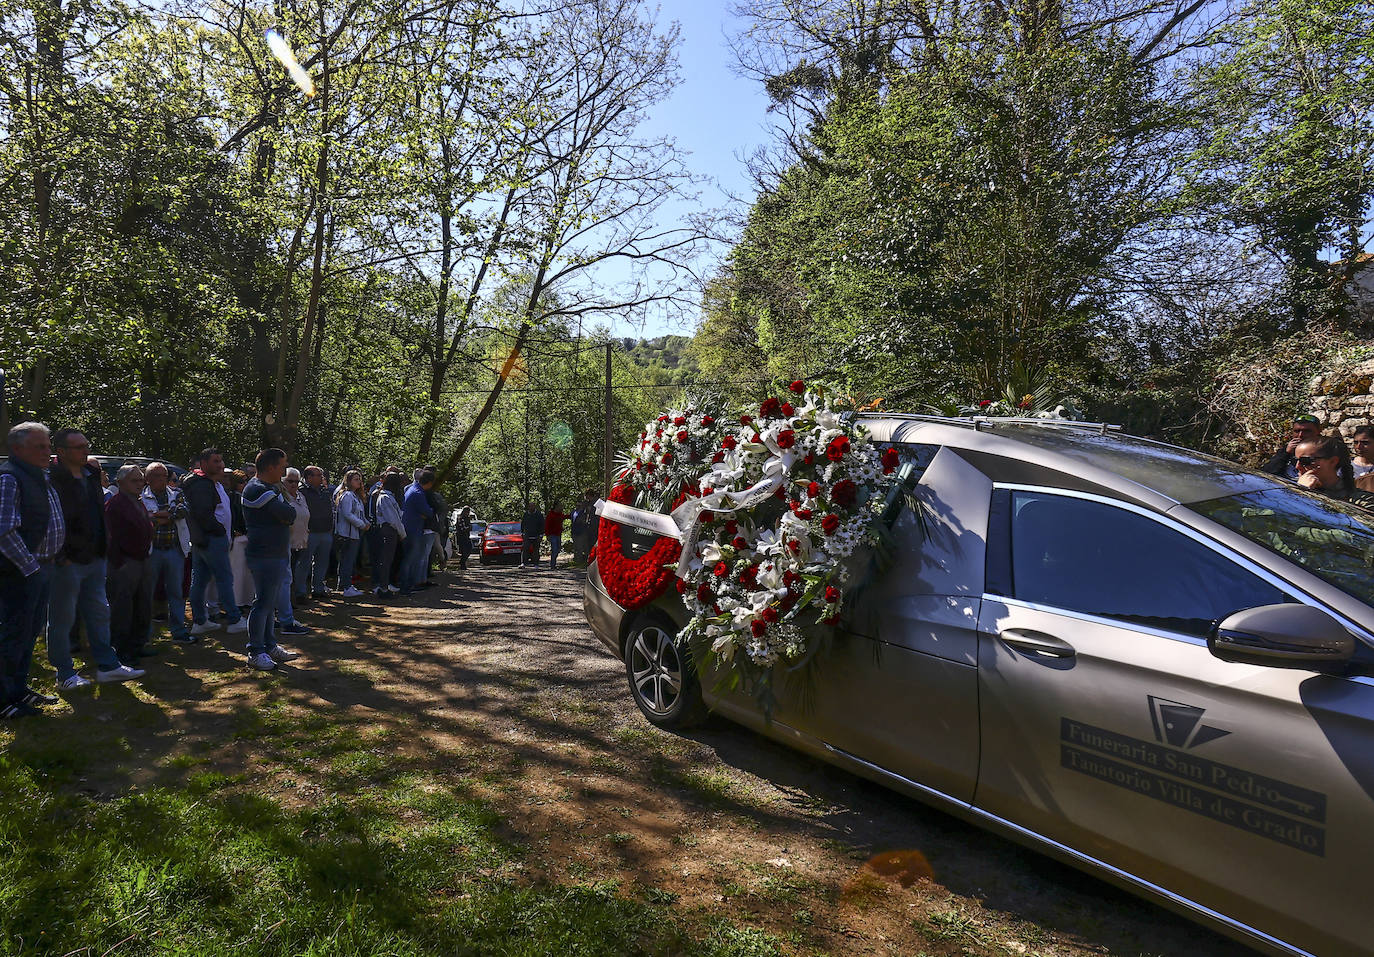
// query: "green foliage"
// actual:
[[195, 253], [1110, 199]]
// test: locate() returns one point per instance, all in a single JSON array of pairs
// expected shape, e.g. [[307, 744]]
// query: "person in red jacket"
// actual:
[[553, 531], [128, 573]]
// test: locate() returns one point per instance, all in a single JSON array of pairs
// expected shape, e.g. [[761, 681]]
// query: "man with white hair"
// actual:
[[31, 533], [171, 544]]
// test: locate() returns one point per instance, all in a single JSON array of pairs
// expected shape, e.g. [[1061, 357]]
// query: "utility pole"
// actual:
[[609, 452]]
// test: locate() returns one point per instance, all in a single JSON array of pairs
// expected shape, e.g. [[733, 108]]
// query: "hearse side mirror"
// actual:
[[1283, 636]]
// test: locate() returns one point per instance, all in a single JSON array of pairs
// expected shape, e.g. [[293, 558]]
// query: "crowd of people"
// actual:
[[1325, 464], [80, 555]]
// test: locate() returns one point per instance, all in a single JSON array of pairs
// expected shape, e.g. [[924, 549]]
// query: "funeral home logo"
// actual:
[[1181, 724]]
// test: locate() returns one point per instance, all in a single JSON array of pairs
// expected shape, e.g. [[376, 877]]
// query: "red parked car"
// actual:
[[501, 541]]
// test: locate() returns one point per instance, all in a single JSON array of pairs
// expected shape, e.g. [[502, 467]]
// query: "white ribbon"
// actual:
[[684, 523]]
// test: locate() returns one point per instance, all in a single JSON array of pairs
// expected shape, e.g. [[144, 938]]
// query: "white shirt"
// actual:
[[222, 513]]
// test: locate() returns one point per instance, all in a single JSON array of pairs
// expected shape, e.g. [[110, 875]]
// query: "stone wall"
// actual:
[[1344, 398]]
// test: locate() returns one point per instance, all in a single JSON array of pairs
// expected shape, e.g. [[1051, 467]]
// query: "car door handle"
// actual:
[[1038, 643]]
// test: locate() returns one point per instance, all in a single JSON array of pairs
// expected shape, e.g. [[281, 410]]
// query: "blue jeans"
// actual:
[[348, 554], [169, 565], [413, 559], [23, 608], [269, 577], [79, 590], [555, 545], [313, 564], [285, 613], [212, 558]]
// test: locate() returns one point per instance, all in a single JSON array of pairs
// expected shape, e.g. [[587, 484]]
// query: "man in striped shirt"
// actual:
[[31, 533]]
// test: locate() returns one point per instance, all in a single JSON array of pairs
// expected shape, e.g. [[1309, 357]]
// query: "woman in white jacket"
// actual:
[[300, 536], [350, 522], [393, 529]]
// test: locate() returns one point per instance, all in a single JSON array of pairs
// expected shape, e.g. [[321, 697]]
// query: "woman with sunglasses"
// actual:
[[1324, 466]]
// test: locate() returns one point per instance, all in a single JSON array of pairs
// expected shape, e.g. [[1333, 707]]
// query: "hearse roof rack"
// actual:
[[981, 422]]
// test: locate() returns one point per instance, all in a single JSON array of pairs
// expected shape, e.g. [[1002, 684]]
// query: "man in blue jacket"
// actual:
[[416, 515], [267, 517]]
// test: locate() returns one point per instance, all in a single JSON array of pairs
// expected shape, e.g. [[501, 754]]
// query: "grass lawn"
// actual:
[[119, 836]]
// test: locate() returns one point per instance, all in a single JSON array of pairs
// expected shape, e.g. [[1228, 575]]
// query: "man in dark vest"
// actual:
[[77, 587], [31, 534]]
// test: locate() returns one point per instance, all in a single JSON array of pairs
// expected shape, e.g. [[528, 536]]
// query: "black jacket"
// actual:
[[83, 509], [202, 498], [321, 506]]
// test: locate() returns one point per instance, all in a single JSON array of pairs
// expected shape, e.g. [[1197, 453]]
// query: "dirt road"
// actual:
[[501, 666]]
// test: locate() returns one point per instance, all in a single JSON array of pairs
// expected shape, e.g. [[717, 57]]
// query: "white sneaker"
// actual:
[[351, 592], [122, 673], [392, 590], [262, 661], [278, 653], [205, 627], [238, 627], [72, 683]]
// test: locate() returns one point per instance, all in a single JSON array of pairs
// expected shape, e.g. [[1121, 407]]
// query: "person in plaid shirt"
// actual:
[[171, 544], [31, 533]]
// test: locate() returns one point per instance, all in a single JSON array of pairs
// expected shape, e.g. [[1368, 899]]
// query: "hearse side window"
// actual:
[[1101, 560]]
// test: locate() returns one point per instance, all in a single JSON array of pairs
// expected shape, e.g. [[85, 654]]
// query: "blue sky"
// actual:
[[715, 116]]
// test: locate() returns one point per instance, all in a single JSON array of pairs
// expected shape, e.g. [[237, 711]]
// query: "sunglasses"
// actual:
[[1308, 461]]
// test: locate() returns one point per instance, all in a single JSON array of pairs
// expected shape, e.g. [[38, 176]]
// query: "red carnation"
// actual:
[[718, 458], [720, 570], [837, 448], [680, 420], [728, 442], [649, 466], [985, 403], [787, 602], [756, 438], [746, 420], [704, 594], [813, 489], [830, 523], [787, 409], [758, 627], [810, 459], [794, 546], [786, 439], [770, 407], [663, 418], [798, 387], [680, 585], [707, 420], [750, 577], [780, 493], [770, 614], [739, 542], [656, 447], [832, 594], [731, 528], [667, 457], [890, 460], [682, 436], [708, 516], [803, 513], [842, 493], [832, 620]]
